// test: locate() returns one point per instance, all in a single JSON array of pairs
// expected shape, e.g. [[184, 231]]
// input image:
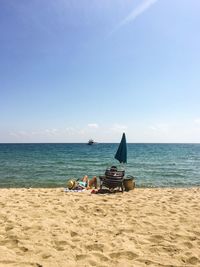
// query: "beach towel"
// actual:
[[74, 190]]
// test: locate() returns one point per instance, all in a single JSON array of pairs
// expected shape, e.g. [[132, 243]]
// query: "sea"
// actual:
[[52, 165]]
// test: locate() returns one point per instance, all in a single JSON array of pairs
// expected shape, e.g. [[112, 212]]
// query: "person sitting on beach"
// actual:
[[83, 183], [113, 169]]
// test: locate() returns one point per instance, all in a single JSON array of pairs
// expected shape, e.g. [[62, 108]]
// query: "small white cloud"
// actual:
[[161, 127], [70, 130], [119, 128], [51, 132], [93, 125], [197, 121], [136, 12], [19, 134], [14, 134], [23, 133]]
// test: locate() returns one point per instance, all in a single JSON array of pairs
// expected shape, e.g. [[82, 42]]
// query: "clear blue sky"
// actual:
[[71, 70]]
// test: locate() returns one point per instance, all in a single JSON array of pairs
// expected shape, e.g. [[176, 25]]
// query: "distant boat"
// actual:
[[91, 142]]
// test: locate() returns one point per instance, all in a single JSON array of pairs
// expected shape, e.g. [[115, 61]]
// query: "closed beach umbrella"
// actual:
[[121, 154]]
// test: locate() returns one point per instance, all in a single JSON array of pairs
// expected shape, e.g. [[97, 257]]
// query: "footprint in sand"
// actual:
[[61, 245], [9, 227], [73, 234], [23, 249], [188, 245], [192, 238], [124, 254], [81, 257], [101, 256], [95, 247], [156, 238], [193, 260]]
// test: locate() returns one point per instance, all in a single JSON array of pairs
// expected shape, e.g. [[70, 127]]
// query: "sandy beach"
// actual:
[[142, 227]]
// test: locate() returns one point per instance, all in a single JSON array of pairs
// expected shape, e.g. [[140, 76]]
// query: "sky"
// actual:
[[75, 70]]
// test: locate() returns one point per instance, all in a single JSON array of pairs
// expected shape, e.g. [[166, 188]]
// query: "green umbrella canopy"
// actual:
[[121, 154]]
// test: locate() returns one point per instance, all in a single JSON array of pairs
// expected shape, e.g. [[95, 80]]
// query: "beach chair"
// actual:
[[112, 179]]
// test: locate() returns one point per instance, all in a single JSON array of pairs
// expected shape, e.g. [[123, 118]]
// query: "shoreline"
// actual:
[[61, 189], [142, 227]]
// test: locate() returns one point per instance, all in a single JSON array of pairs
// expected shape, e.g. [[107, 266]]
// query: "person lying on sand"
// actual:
[[83, 183]]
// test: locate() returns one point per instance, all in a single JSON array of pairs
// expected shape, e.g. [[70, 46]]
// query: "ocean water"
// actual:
[[51, 165]]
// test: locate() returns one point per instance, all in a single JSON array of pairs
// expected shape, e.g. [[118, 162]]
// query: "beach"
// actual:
[[142, 227]]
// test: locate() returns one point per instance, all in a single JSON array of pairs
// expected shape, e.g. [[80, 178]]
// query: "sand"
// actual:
[[142, 227]]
